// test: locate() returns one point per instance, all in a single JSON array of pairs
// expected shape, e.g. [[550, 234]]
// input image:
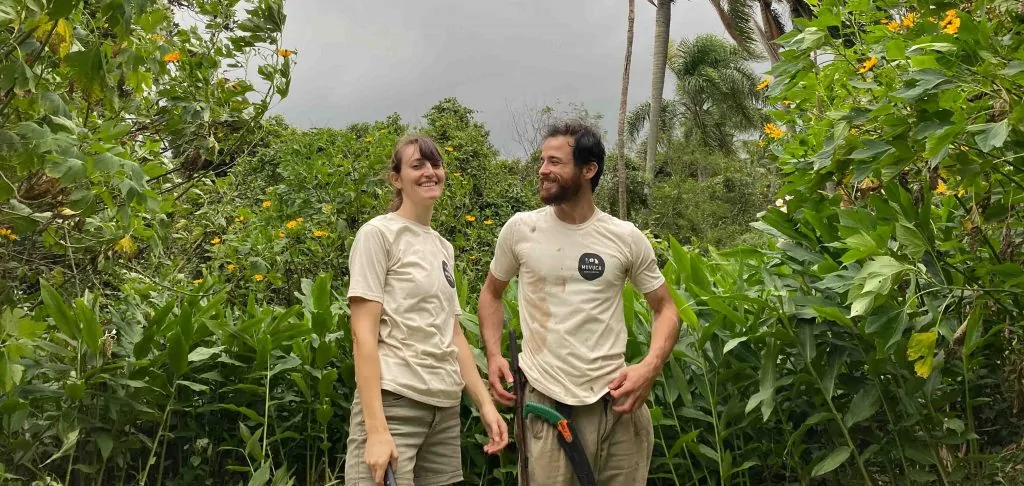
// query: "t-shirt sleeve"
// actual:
[[455, 291], [368, 264], [505, 264], [644, 273]]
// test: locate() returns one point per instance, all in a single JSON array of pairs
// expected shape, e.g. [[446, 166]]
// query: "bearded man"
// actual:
[[573, 260]]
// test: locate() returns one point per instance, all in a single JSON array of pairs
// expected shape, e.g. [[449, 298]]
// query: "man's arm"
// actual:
[[490, 313], [665, 327]]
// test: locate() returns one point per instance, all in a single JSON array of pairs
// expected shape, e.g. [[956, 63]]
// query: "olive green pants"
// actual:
[[427, 439], [619, 446]]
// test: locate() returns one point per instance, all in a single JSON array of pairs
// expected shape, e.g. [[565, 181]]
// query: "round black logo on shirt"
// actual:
[[447, 273], [591, 266]]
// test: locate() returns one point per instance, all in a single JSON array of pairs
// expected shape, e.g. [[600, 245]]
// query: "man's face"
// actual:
[[560, 180]]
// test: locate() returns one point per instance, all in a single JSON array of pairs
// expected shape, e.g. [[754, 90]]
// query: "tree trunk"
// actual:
[[662, 21], [622, 111]]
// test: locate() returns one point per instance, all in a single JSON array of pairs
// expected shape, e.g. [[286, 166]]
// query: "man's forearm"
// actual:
[[664, 335], [489, 315]]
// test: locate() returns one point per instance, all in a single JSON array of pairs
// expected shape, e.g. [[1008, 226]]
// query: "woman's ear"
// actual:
[[393, 178]]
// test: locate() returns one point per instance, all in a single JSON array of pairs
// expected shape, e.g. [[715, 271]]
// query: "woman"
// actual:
[[412, 360]]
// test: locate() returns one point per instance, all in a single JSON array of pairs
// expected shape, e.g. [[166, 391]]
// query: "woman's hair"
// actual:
[[428, 151]]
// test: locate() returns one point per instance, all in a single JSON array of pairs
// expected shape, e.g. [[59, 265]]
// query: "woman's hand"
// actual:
[[381, 450], [496, 428]]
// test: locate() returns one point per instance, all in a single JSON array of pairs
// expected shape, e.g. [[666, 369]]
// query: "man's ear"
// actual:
[[589, 170]]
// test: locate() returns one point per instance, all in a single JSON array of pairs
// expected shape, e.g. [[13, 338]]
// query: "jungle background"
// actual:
[[842, 236]]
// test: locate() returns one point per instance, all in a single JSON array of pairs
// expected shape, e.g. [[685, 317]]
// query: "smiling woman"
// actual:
[[412, 360]]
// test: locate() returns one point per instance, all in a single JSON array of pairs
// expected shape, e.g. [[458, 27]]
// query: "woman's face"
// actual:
[[421, 181]]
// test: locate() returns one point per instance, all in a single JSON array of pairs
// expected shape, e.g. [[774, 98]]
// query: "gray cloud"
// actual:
[[361, 61]]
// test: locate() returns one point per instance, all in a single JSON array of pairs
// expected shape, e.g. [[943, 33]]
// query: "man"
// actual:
[[572, 261]]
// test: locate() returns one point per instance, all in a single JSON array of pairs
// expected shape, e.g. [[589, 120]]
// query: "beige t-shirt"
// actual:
[[407, 267], [571, 279]]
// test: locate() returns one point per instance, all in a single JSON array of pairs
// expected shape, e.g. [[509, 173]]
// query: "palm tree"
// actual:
[[662, 22], [737, 17], [621, 129], [716, 97]]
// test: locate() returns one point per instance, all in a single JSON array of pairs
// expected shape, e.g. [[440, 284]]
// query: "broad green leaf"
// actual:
[[925, 81], [732, 343], [991, 135], [262, 475], [105, 443], [92, 332], [177, 353], [954, 424], [248, 412], [832, 461], [326, 384], [70, 439], [863, 406], [911, 240], [832, 313], [59, 9], [195, 386], [872, 147], [287, 363], [59, 311], [972, 333], [932, 46], [200, 354]]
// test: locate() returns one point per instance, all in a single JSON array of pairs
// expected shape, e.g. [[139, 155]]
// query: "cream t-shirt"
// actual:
[[407, 267], [571, 279]]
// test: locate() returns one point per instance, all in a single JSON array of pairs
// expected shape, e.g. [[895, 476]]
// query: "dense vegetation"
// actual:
[[172, 261]]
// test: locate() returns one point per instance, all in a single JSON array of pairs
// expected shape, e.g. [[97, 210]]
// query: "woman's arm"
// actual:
[[477, 390], [380, 446]]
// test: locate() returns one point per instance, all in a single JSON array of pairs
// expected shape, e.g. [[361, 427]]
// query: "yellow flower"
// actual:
[[158, 37], [950, 24], [764, 84], [230, 267], [761, 143], [788, 103], [488, 221], [932, 19], [216, 240], [910, 20], [868, 65], [292, 224], [894, 26], [197, 281], [470, 218], [285, 53], [319, 234], [772, 130], [941, 189], [280, 234], [173, 57], [267, 204], [449, 148], [258, 277], [124, 246], [240, 219], [456, 174]]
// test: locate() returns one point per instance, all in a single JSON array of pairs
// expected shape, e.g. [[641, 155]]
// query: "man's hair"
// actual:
[[586, 145]]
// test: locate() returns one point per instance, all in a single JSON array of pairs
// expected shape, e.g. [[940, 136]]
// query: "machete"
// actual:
[[519, 389], [567, 436]]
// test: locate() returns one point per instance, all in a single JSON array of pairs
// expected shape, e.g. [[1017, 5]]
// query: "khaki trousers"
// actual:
[[427, 439], [619, 446]]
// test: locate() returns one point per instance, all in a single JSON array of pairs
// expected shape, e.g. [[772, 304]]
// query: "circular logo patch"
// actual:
[[448, 273], [591, 266]]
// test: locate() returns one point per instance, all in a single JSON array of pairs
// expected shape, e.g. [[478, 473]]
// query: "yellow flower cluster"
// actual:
[[868, 65], [8, 233], [773, 130], [950, 24], [173, 57], [319, 233]]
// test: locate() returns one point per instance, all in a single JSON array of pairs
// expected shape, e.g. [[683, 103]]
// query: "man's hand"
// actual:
[[498, 369], [631, 387], [497, 430], [380, 450]]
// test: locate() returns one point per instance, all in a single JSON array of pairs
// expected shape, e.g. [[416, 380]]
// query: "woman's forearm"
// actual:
[[475, 386], [365, 328]]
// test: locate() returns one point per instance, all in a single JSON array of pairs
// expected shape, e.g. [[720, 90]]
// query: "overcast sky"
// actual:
[[363, 60]]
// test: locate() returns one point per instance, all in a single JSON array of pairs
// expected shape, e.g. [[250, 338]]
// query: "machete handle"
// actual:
[[546, 414], [389, 476]]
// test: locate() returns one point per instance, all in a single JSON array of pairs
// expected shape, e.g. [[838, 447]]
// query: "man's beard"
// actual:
[[564, 192]]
